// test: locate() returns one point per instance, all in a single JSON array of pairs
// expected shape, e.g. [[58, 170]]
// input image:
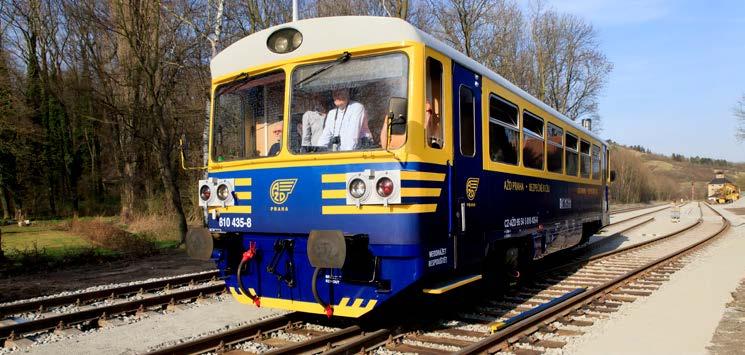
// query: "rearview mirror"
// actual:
[[612, 175], [397, 107]]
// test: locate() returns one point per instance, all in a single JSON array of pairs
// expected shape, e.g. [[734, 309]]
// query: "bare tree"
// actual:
[[570, 70]]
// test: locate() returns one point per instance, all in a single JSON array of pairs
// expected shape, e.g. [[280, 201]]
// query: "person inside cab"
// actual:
[[311, 127], [346, 125]]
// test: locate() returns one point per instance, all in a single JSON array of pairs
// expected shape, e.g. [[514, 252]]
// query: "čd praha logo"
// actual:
[[472, 184], [281, 190]]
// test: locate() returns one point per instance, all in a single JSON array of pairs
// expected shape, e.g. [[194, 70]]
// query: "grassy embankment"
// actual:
[[49, 245]]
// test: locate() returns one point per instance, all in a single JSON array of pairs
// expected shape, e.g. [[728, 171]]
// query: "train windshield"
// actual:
[[344, 107], [248, 117]]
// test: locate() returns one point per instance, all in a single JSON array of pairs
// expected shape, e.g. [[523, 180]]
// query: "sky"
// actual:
[[679, 70]]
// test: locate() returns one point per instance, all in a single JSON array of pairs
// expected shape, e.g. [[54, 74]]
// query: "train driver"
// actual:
[[345, 125]]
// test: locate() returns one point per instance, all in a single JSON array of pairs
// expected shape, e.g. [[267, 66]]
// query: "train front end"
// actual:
[[316, 195]]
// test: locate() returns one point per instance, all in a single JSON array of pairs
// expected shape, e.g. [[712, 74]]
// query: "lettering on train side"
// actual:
[[520, 221], [513, 186], [536, 187], [437, 257], [565, 203]]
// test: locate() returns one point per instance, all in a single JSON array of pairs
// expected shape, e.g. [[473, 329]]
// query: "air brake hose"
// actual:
[[247, 256], [327, 307]]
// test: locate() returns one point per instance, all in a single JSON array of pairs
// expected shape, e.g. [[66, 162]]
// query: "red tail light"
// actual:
[[385, 187]]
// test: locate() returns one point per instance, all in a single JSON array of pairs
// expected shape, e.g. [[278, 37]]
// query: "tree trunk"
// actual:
[[4, 203], [170, 182], [127, 191]]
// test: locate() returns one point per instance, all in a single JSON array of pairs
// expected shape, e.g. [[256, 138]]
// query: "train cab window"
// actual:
[[433, 104], [555, 149], [248, 118], [533, 144], [572, 154], [467, 123], [343, 105], [595, 162], [504, 134], [585, 162]]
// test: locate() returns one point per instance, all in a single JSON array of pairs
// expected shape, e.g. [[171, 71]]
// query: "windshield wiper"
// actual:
[[342, 59], [238, 80]]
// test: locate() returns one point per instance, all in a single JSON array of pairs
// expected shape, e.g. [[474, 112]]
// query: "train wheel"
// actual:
[[502, 269]]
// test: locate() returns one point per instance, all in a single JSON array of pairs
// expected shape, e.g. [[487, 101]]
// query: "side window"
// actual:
[[532, 141], [572, 157], [584, 151], [596, 162], [467, 124], [555, 149], [504, 134], [433, 104]]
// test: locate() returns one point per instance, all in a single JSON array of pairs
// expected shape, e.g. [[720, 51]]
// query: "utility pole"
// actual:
[[294, 10], [693, 190]]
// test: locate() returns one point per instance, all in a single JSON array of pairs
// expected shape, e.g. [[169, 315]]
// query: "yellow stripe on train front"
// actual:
[[334, 178], [232, 209], [420, 192], [243, 182], [421, 175], [328, 194], [342, 309], [243, 195], [377, 209]]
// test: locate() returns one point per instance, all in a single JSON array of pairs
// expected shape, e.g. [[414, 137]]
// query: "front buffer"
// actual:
[[325, 272]]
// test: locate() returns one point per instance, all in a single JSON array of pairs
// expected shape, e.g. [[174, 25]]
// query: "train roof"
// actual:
[[337, 33]]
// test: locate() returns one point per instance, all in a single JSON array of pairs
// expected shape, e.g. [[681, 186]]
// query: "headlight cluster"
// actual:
[[285, 40], [374, 187], [216, 192]]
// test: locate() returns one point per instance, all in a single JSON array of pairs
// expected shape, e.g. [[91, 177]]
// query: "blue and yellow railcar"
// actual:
[[355, 158]]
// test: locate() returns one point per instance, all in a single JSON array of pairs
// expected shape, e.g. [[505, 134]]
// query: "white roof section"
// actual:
[[339, 33]]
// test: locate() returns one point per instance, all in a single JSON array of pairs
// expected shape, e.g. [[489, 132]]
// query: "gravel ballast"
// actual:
[[681, 316]]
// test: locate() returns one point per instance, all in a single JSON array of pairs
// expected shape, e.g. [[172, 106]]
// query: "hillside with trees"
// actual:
[[644, 176]]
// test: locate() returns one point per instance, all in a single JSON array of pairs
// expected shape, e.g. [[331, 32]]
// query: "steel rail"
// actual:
[[637, 216], [219, 341], [529, 325], [92, 313], [83, 297]]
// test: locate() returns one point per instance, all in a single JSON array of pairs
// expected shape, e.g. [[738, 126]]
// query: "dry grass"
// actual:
[[107, 235], [156, 227]]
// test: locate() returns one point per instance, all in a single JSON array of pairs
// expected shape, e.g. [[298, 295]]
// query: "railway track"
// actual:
[[69, 313], [653, 211], [632, 209], [557, 303]]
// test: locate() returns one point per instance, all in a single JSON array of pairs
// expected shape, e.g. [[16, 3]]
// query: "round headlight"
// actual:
[[205, 193], [284, 40], [384, 187], [281, 45], [222, 192], [357, 188], [297, 40]]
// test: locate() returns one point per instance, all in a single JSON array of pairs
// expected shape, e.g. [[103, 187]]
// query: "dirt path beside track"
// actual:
[[38, 284]]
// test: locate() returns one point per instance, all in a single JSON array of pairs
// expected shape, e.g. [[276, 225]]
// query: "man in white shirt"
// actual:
[[312, 126], [345, 124]]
